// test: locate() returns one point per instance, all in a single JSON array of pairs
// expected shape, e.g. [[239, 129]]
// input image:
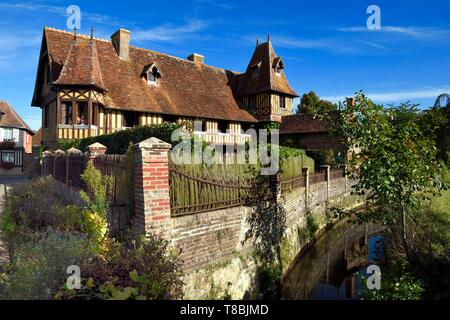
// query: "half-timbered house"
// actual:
[[87, 86]]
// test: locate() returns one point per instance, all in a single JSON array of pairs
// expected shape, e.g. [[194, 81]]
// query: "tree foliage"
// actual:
[[393, 160], [435, 123], [312, 105]]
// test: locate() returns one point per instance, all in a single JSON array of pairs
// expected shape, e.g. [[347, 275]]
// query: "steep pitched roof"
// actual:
[[302, 124], [81, 66], [265, 59], [187, 88], [11, 119]]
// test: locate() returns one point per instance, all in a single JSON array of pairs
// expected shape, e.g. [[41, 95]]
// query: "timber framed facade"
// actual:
[[87, 87]]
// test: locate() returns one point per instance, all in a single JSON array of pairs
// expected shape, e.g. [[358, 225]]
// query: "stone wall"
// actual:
[[219, 258], [209, 237]]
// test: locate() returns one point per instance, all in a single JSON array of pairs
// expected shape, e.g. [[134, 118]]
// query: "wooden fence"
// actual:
[[69, 168], [288, 185], [191, 193]]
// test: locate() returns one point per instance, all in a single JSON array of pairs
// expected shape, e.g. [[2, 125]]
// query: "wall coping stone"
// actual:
[[152, 143]]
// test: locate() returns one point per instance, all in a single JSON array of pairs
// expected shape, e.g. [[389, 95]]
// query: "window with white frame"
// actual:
[[278, 70], [152, 74], [8, 134]]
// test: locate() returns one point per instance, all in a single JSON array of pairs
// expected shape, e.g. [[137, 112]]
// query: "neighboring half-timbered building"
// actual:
[[14, 129], [87, 87]]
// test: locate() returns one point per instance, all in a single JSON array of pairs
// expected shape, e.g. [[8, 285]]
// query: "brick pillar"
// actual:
[[95, 150], [151, 188], [305, 171]]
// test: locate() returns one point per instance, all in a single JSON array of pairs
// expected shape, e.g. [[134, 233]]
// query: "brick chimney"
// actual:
[[197, 58], [121, 41]]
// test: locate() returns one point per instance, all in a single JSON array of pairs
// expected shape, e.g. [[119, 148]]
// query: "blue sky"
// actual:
[[325, 45]]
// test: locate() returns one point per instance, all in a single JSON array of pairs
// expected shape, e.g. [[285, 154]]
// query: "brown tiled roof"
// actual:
[[187, 88], [81, 66], [11, 119], [301, 124], [37, 138], [265, 58]]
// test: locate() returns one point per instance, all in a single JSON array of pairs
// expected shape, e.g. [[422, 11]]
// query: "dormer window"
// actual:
[[255, 72], [278, 65], [277, 70], [255, 69], [152, 74]]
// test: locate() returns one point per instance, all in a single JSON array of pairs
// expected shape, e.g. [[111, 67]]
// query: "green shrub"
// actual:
[[330, 158], [311, 225], [67, 144], [40, 266], [318, 156], [144, 269], [291, 166], [33, 207], [118, 142], [269, 279], [398, 287]]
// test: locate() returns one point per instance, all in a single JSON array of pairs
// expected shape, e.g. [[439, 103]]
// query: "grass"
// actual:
[[441, 204]]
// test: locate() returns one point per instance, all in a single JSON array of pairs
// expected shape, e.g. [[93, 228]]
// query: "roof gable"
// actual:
[[265, 59], [81, 66], [11, 119]]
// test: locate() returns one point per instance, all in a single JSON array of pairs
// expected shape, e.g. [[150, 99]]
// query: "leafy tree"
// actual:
[[312, 105], [394, 162], [435, 122]]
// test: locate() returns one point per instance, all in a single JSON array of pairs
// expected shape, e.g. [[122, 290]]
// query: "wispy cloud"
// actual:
[[372, 44], [91, 17], [169, 32], [335, 45], [399, 95], [13, 45], [415, 32], [215, 3]]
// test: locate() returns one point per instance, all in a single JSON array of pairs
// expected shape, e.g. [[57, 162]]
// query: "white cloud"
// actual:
[[92, 17], [214, 3], [373, 44], [15, 49], [333, 45], [415, 32], [388, 97], [169, 32]]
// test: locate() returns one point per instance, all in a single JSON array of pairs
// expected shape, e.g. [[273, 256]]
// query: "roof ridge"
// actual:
[[78, 34], [139, 48], [183, 60], [93, 55]]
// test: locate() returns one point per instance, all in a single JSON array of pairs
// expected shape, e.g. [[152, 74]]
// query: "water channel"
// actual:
[[327, 269]]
